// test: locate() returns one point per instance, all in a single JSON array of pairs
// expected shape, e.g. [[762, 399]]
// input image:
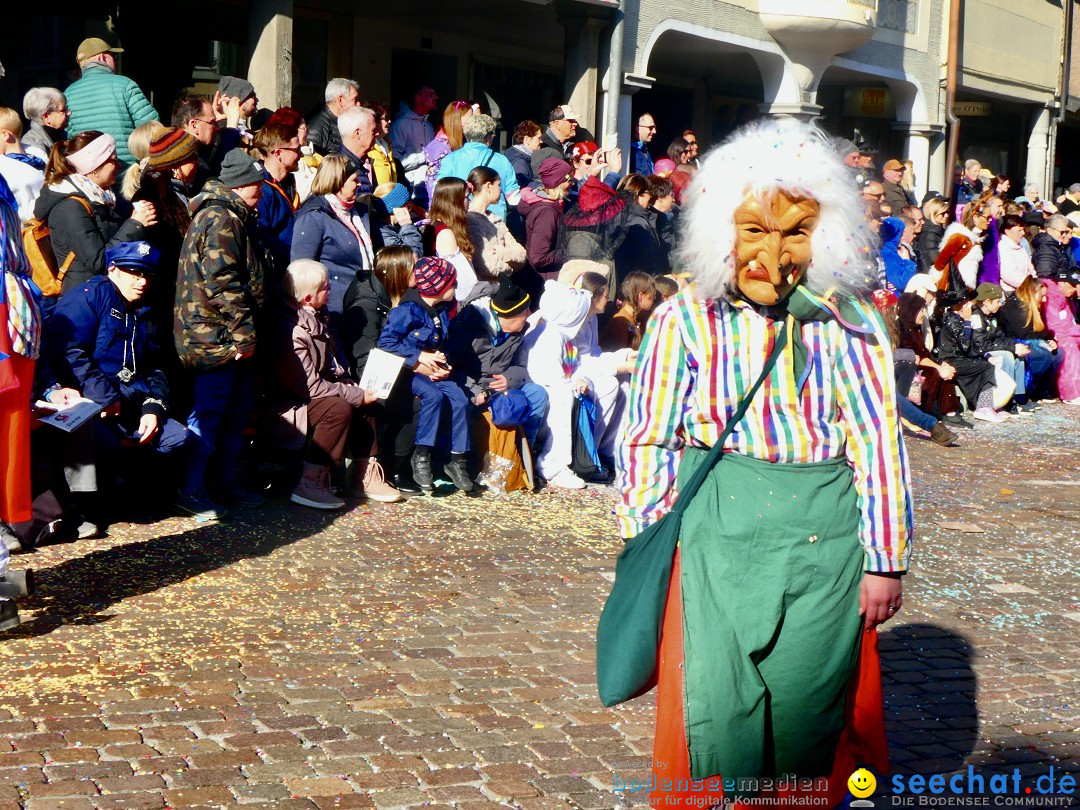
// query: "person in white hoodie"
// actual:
[[554, 358], [1015, 261]]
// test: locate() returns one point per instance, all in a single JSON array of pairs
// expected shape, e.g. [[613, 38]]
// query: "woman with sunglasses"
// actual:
[[83, 214]]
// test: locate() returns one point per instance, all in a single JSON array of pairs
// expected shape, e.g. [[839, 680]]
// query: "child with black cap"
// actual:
[[418, 329], [485, 338]]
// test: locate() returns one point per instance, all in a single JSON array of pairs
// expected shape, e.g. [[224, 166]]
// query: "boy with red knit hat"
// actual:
[[418, 329]]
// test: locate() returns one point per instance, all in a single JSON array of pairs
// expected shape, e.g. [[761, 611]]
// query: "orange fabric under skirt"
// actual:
[[15, 498], [862, 741]]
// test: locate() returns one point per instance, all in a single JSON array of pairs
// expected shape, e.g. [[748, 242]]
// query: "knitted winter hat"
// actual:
[[172, 148], [554, 172], [235, 86], [510, 300], [240, 169], [433, 276]]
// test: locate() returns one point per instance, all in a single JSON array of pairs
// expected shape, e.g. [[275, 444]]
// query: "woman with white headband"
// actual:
[[83, 214]]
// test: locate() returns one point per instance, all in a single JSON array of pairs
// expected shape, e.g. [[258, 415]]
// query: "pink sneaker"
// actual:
[[989, 415]]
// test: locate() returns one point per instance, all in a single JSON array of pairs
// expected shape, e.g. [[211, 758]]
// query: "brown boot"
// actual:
[[942, 435], [370, 482], [314, 489]]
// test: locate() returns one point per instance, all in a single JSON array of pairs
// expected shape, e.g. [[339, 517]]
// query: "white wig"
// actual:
[[761, 159]]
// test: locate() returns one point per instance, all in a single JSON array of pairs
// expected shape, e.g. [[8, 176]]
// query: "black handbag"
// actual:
[[628, 635]]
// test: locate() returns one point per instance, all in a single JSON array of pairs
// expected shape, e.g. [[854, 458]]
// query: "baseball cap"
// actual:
[[92, 46], [893, 165], [987, 292], [1071, 275], [567, 113]]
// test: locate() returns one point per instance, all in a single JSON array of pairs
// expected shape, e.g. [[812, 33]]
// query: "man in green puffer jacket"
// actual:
[[104, 100]]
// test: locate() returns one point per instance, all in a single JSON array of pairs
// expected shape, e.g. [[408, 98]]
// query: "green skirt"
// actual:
[[771, 570]]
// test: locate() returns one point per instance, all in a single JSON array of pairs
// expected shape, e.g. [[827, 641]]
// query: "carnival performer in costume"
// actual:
[[790, 552]]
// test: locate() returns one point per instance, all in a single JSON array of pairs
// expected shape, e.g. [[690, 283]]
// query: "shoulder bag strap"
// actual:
[[687, 493]]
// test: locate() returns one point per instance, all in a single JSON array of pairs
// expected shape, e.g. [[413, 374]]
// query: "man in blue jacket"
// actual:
[[104, 100], [101, 340]]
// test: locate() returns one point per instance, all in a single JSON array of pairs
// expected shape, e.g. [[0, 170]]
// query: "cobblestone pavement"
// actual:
[[440, 653]]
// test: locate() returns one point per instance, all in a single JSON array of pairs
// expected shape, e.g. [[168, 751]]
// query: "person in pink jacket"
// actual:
[[1063, 319]]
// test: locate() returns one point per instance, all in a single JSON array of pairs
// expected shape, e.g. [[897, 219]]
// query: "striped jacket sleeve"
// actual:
[[866, 396], [651, 448]]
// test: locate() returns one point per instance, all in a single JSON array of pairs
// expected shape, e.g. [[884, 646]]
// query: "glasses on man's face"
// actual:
[[288, 149], [870, 196], [204, 121], [649, 127]]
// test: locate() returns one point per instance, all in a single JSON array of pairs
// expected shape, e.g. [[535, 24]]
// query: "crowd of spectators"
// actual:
[[350, 303]]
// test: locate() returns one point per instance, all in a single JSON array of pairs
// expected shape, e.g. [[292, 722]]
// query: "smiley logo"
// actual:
[[861, 783]]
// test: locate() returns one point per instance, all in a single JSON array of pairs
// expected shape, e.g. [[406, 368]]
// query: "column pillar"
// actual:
[[917, 149], [581, 54], [1037, 146], [270, 37]]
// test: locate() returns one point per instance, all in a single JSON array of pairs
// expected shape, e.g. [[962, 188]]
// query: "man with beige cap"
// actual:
[[895, 196], [104, 100]]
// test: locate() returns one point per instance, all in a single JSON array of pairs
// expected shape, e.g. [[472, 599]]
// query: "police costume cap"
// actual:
[[141, 256]]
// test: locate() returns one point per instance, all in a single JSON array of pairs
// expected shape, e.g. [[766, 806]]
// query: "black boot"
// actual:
[[421, 468], [458, 470]]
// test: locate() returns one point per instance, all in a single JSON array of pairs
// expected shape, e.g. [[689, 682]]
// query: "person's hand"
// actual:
[[966, 309], [1022, 350], [433, 358], [62, 397], [1052, 344], [581, 386], [145, 213], [498, 383], [880, 598], [231, 108], [111, 411], [629, 363], [401, 217], [370, 396], [613, 159], [148, 427], [481, 398], [219, 111], [244, 354], [946, 371]]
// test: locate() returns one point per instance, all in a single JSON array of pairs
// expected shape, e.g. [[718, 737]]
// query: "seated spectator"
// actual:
[[367, 304], [1023, 313], [898, 268], [1015, 263], [626, 327], [418, 330], [928, 242], [447, 236], [666, 286], [974, 373], [448, 139], [961, 252], [383, 165], [641, 249], [495, 251], [542, 210], [316, 401], [1063, 319], [218, 291], [102, 342], [390, 214], [47, 111], [527, 139], [555, 361], [485, 337], [1000, 349], [478, 131], [1051, 248], [279, 148], [25, 174], [81, 210], [938, 392], [331, 229]]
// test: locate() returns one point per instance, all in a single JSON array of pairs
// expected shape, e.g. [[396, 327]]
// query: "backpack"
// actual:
[[38, 246]]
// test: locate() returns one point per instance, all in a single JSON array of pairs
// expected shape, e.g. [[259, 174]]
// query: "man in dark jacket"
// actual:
[[558, 138], [102, 341], [219, 288], [196, 116], [1050, 248], [356, 128], [340, 95], [485, 338]]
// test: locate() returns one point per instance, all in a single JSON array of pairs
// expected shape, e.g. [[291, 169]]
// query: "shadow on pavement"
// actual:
[[77, 591]]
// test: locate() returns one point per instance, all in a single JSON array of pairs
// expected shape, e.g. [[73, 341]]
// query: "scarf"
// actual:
[[355, 225], [29, 160], [87, 187]]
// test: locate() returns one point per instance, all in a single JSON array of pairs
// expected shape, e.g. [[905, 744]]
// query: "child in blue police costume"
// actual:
[[485, 337], [101, 340], [417, 329]]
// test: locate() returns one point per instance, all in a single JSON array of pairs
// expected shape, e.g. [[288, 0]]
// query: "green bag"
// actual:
[[628, 635]]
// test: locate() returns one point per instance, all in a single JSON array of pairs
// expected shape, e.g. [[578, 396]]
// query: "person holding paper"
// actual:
[[101, 340], [315, 401]]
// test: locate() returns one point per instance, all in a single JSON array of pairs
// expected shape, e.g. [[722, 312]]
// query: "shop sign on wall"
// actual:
[[869, 102], [972, 109]]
